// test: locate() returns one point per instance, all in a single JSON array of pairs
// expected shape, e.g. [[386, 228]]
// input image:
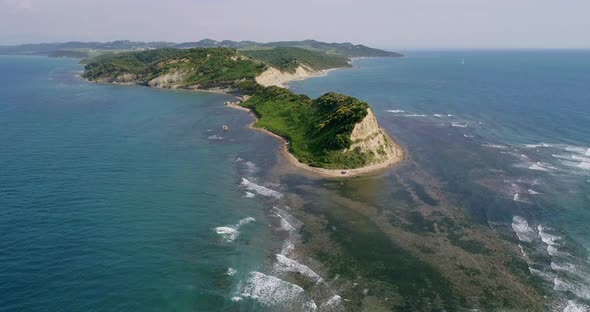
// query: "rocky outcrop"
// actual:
[[274, 77], [171, 80], [370, 138]]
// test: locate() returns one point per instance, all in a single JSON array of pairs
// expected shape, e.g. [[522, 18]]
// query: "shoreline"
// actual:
[[324, 172], [397, 158]]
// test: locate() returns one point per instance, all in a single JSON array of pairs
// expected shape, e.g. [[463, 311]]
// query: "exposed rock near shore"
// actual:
[[369, 137], [275, 77]]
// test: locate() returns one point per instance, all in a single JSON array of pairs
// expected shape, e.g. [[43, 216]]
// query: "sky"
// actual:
[[391, 24]]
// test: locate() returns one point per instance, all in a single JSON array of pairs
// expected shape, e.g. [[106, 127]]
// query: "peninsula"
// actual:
[[333, 135]]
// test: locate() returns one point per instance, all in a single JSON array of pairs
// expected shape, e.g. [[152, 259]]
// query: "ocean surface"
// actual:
[[129, 198]]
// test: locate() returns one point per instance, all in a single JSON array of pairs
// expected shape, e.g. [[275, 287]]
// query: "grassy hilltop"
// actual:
[[319, 130], [195, 68]]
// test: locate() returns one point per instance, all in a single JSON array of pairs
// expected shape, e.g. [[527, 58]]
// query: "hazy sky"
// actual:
[[390, 24]]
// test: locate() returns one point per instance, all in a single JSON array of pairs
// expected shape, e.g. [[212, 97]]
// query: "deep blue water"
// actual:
[[111, 197]]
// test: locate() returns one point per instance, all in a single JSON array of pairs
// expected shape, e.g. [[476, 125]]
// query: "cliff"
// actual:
[[368, 136], [274, 77]]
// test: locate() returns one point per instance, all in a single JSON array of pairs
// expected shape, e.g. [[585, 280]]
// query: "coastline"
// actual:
[[324, 172], [396, 158]]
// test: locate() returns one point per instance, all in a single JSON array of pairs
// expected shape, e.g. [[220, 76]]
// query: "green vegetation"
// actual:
[[318, 130], [345, 49], [194, 68], [288, 59]]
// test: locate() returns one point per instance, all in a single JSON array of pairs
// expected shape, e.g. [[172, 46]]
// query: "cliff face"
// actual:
[[369, 138], [170, 80], [275, 77]]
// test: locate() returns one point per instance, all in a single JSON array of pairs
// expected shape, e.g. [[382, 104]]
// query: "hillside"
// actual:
[[288, 59], [208, 68], [345, 49], [334, 131], [204, 68]]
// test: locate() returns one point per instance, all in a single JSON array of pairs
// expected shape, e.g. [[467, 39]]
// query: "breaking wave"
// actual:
[[259, 189], [522, 229], [285, 264], [249, 194], [268, 290], [215, 137], [229, 233]]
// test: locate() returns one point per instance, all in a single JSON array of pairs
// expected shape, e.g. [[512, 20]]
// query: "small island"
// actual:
[[333, 135]]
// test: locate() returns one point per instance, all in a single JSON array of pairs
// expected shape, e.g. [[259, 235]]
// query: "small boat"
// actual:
[[225, 128]]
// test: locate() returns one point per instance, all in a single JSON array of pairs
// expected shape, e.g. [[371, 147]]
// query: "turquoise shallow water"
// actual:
[[111, 197], [507, 131]]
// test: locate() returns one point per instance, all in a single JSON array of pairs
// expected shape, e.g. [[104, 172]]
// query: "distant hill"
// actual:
[[96, 48]]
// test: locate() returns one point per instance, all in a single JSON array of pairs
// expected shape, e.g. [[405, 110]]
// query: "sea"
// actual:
[[127, 198]]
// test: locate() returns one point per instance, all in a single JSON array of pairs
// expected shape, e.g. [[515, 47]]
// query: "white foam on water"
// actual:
[[236, 299], [522, 229], [249, 195], [567, 267], [395, 111], [533, 192], [414, 115], [229, 233], [245, 221], [546, 276], [563, 156], [495, 146], [572, 269], [288, 247], [541, 166], [215, 137], [288, 222], [580, 158], [231, 271], [285, 264], [438, 115], [578, 150], [584, 165], [285, 225], [538, 145], [333, 301], [579, 290], [547, 238], [259, 189], [269, 290], [458, 124], [310, 306], [573, 306], [469, 136]]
